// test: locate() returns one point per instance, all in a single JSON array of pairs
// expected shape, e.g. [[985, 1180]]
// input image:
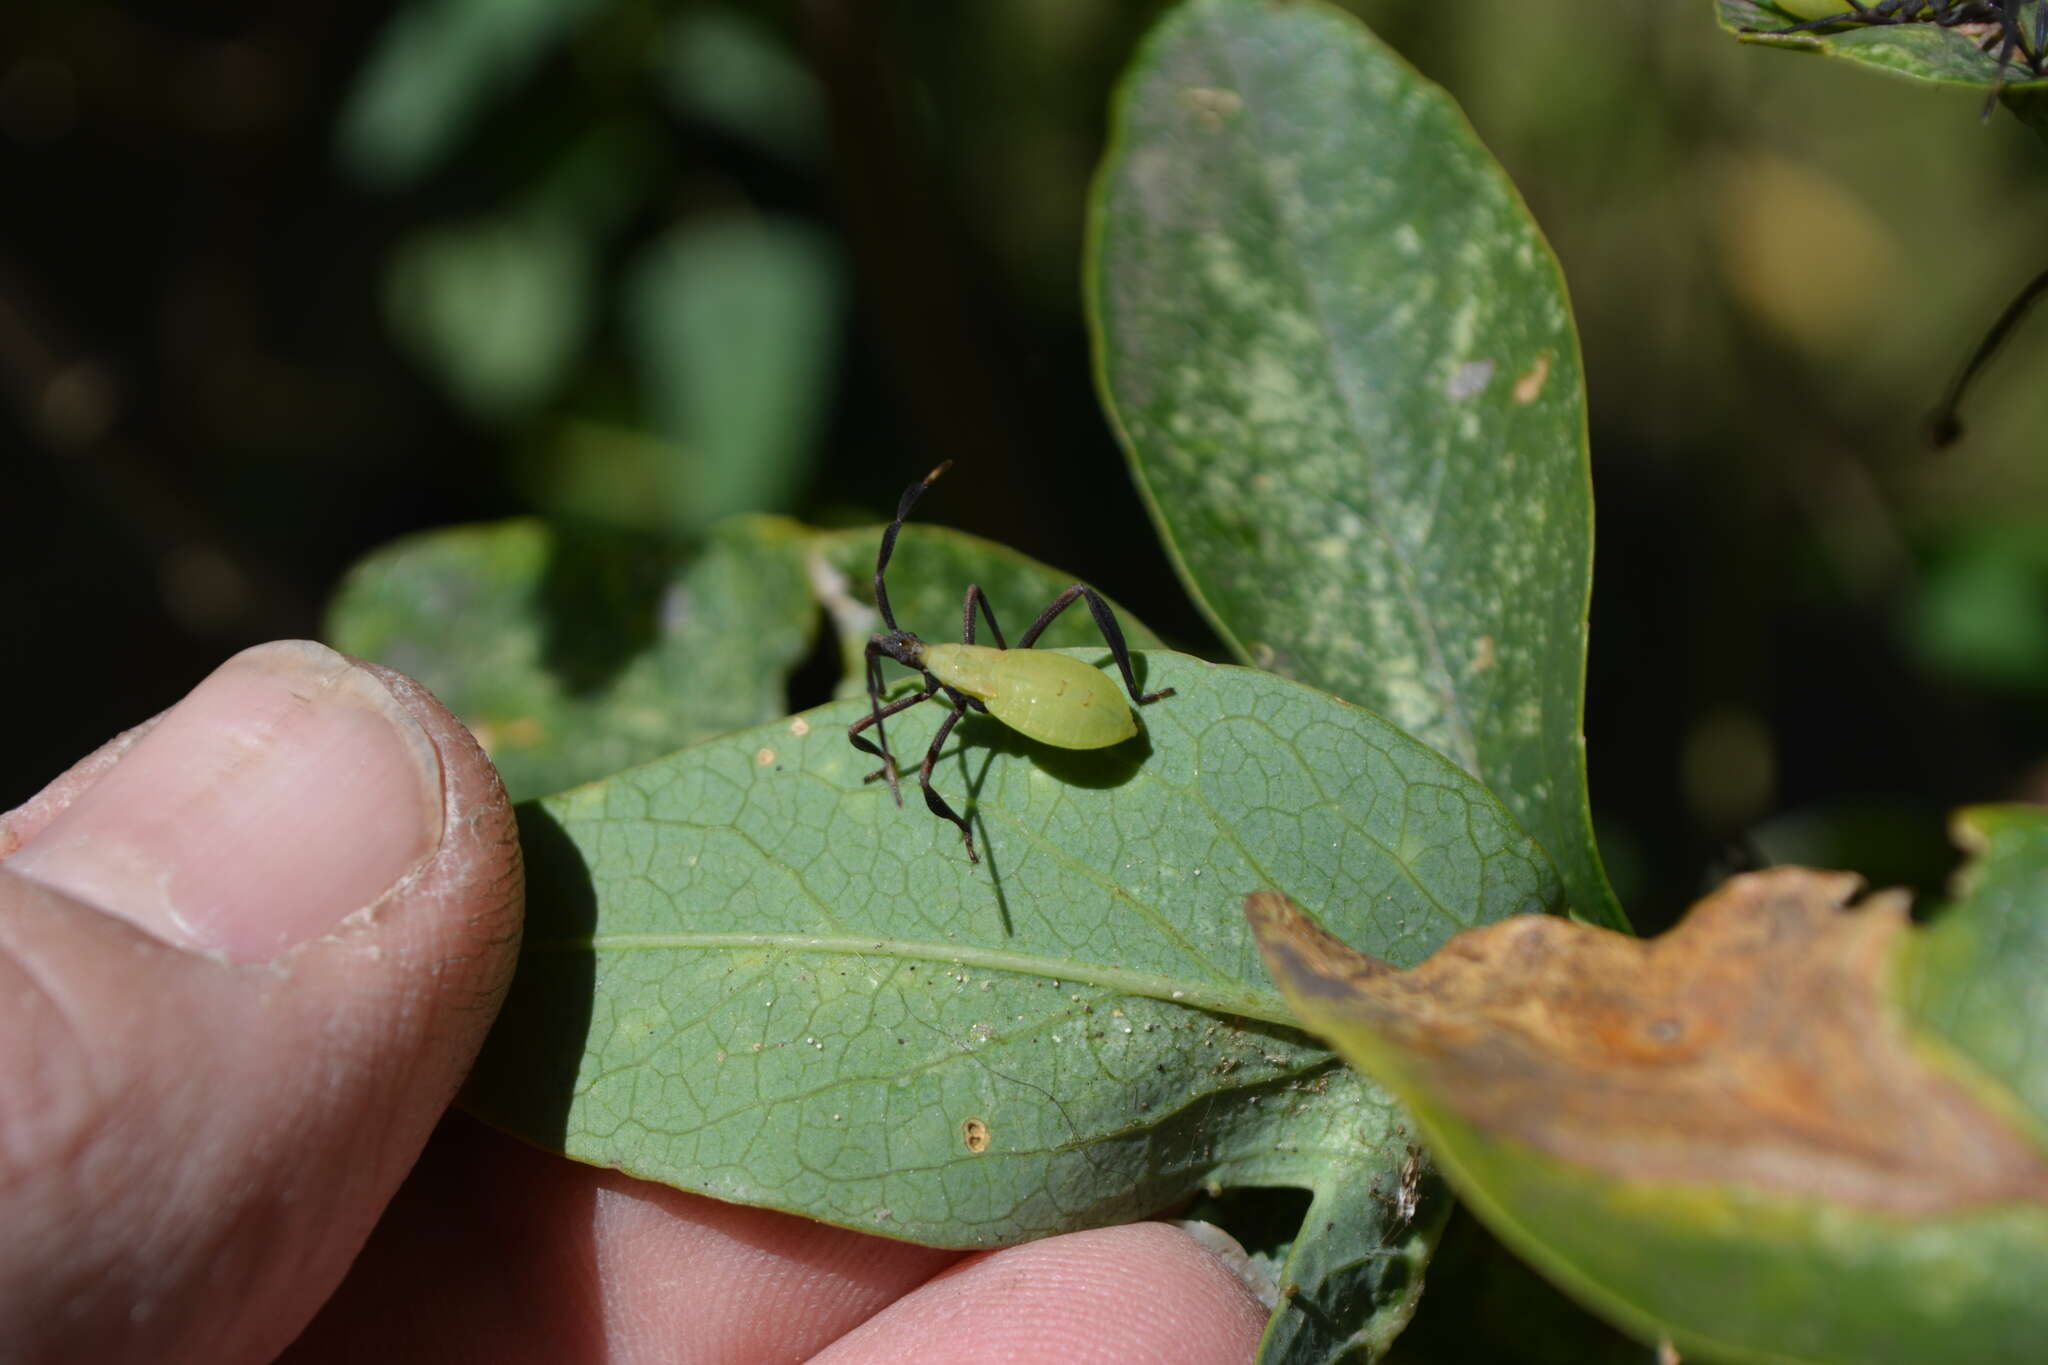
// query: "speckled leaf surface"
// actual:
[[1921, 51], [747, 972], [571, 657], [1340, 356]]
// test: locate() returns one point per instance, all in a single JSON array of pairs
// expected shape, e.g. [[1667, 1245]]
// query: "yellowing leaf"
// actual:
[[1733, 1134]]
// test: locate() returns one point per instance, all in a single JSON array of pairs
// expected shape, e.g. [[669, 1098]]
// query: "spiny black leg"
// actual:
[[1112, 634], [910, 497], [975, 596], [1045, 618], [932, 799]]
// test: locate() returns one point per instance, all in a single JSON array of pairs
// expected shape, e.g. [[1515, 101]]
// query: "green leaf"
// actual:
[[1974, 978], [574, 656], [1340, 356], [434, 70], [732, 325], [1732, 1135], [730, 70], [928, 578], [1342, 1281], [748, 972], [1920, 51], [498, 309]]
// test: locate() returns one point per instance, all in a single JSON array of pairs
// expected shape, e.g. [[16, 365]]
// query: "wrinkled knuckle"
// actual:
[[55, 1100]]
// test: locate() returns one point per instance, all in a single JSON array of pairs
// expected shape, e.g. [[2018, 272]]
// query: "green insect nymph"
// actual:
[[1052, 698]]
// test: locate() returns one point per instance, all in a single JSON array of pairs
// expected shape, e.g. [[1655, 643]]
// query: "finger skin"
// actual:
[[192, 1150], [497, 1252], [1140, 1294]]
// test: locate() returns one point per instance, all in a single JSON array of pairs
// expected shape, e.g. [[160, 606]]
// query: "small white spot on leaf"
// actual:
[[1470, 380]]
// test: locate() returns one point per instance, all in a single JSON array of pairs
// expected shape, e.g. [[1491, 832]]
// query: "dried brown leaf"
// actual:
[[1756, 1043]]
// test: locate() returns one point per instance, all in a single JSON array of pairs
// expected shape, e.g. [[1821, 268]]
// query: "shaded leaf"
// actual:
[[733, 327], [749, 973], [1340, 356], [574, 656], [1730, 1134], [722, 66], [1342, 1289], [1966, 54]]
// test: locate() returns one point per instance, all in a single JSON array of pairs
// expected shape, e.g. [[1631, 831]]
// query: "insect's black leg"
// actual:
[[910, 497], [1112, 635], [1045, 618], [935, 802], [2009, 42], [876, 711], [975, 596], [888, 769]]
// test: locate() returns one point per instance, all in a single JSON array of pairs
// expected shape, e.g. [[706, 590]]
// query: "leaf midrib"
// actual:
[[1264, 1007]]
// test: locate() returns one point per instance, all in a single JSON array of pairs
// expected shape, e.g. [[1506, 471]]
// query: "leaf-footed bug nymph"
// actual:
[[1052, 698]]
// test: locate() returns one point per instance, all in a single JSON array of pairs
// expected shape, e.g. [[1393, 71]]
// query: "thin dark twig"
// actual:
[[1946, 425]]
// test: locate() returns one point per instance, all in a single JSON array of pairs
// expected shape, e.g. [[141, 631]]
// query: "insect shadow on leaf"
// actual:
[[1052, 698]]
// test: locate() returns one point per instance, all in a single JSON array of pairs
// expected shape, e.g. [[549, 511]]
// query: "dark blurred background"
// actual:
[[279, 283]]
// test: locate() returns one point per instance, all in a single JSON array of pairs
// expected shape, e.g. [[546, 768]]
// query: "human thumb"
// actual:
[[247, 953]]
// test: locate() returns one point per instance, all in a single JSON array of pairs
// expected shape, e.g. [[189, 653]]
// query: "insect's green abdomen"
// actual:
[[1052, 698]]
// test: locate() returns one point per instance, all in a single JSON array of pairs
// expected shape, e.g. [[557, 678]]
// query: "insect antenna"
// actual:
[[1946, 425], [910, 497]]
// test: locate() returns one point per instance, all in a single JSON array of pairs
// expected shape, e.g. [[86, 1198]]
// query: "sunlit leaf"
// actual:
[[574, 656], [1340, 355], [750, 973]]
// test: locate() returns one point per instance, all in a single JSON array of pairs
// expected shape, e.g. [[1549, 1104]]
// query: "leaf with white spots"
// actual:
[[1340, 355], [748, 972], [574, 655]]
